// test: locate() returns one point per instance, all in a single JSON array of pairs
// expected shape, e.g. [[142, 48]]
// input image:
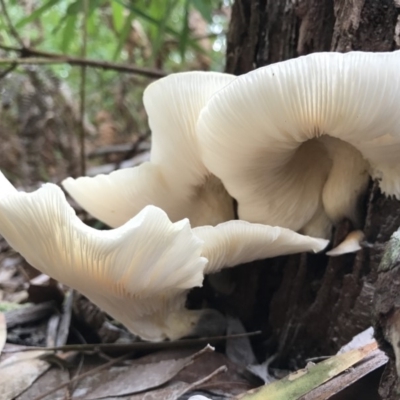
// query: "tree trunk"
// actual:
[[310, 305]]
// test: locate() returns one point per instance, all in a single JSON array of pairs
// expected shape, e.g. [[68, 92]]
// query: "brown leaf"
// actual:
[[65, 321], [235, 381], [53, 377], [29, 314], [135, 378], [239, 350], [170, 392], [19, 371]]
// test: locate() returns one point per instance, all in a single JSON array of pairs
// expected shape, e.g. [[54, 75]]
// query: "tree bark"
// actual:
[[310, 305]]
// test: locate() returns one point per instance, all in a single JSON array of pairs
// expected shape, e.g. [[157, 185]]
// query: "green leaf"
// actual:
[[123, 35], [168, 29], [205, 8], [77, 7], [92, 24], [147, 17], [117, 15], [162, 26], [68, 32], [36, 14], [185, 31]]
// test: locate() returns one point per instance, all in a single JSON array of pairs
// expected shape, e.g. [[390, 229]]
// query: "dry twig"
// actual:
[[138, 345], [76, 61]]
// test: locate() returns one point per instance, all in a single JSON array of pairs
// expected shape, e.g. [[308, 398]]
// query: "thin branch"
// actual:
[[138, 345], [61, 59], [13, 31], [10, 48], [198, 38]]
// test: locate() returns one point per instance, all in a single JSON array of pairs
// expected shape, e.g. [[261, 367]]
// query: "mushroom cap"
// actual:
[[236, 242], [274, 136], [350, 244], [175, 172], [138, 273]]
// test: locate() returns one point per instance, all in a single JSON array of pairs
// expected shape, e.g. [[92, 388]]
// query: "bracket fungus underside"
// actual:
[[140, 272], [296, 142], [175, 178]]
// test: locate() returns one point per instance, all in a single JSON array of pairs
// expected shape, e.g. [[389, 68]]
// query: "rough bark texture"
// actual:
[[310, 305], [387, 314]]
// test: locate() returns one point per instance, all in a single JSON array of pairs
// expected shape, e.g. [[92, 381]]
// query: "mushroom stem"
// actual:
[[211, 204], [319, 225], [347, 181]]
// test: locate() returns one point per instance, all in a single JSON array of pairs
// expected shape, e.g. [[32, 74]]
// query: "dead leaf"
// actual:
[[241, 353], [65, 321], [170, 392], [6, 275], [173, 391], [52, 329], [134, 378], [235, 381], [239, 350], [202, 381], [303, 381], [29, 314], [53, 377], [3, 331], [19, 371]]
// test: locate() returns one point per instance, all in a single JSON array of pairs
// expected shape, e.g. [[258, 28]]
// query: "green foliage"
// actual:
[[55, 25], [148, 33]]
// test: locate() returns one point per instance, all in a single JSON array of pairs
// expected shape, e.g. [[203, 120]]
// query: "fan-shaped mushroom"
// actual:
[[140, 272], [295, 142], [175, 179]]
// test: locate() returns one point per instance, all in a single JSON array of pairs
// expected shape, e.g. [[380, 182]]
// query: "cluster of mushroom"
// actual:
[[140, 272], [293, 143]]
